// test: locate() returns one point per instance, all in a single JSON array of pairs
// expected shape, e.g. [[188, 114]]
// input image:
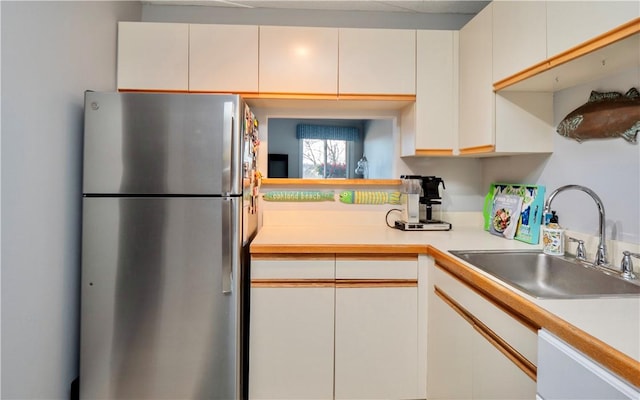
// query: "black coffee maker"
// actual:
[[429, 197]]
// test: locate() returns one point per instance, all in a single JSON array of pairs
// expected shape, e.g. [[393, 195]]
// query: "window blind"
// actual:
[[327, 132]]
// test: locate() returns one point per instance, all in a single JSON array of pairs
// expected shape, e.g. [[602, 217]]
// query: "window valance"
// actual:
[[327, 132]]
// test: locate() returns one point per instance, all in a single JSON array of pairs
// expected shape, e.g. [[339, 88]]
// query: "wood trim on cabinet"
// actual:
[[621, 32], [489, 148], [434, 152], [329, 96], [291, 96], [291, 256], [496, 340], [257, 249], [522, 319], [377, 257], [377, 97], [125, 90], [375, 283], [621, 364], [292, 283], [338, 283]]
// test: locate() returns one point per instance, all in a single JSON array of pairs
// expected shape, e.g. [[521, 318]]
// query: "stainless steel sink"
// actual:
[[549, 277]]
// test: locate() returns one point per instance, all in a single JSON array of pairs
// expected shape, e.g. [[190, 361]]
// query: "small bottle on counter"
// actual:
[[553, 236]]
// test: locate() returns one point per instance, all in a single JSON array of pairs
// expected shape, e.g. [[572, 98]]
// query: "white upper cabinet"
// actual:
[[223, 58], [519, 36], [298, 60], [490, 123], [570, 23], [153, 56], [476, 118], [430, 126], [377, 61]]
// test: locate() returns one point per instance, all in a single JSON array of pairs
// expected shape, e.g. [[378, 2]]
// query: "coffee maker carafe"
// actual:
[[430, 196]]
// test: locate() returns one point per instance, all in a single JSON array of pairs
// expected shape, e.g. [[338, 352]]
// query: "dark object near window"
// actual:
[[278, 166]]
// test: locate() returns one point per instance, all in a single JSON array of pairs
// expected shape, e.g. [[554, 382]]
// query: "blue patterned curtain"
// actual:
[[326, 132]]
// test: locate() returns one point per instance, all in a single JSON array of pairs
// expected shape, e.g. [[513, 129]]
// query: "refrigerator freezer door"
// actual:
[[160, 298], [152, 143]]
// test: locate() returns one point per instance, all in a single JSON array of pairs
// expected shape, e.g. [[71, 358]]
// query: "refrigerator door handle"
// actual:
[[227, 246], [232, 242], [235, 166]]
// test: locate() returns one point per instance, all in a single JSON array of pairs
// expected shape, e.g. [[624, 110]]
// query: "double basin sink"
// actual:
[[549, 277]]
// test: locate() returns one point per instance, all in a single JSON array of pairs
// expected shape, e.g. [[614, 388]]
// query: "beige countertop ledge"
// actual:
[[605, 329]]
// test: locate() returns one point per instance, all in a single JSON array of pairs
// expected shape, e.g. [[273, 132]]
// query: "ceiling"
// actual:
[[398, 6]]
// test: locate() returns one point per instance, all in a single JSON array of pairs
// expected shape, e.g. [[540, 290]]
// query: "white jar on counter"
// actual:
[[553, 240]]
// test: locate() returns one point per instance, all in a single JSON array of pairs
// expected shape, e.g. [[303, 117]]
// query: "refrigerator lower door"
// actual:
[[160, 312]]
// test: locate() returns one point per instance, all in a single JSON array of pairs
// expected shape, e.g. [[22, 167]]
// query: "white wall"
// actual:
[[378, 146], [610, 167], [51, 53], [462, 178]]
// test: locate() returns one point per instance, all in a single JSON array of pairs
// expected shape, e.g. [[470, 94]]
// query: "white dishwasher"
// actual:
[[566, 374]]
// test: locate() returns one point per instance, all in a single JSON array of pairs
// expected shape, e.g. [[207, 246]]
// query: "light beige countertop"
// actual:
[[607, 329]]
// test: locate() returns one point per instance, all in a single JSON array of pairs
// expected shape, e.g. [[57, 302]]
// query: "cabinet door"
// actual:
[[153, 56], [570, 23], [291, 329], [298, 60], [376, 343], [223, 58], [449, 348], [519, 36], [377, 61], [494, 375], [485, 371], [476, 118], [437, 90]]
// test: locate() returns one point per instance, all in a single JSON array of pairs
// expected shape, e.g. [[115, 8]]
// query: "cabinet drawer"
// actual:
[[293, 267], [377, 267]]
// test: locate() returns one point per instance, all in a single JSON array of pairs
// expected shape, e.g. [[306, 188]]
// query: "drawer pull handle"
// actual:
[[499, 343]]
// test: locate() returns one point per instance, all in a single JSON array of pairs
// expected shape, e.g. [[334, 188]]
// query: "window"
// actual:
[[325, 150], [324, 158]]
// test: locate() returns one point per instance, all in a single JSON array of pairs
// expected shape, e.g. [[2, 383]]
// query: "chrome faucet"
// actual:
[[601, 254]]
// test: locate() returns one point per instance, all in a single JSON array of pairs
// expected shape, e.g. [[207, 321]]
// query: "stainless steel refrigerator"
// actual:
[[168, 213]]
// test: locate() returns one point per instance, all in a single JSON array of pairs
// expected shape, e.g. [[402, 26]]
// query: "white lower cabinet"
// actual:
[[475, 350], [343, 327], [291, 328], [376, 328]]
